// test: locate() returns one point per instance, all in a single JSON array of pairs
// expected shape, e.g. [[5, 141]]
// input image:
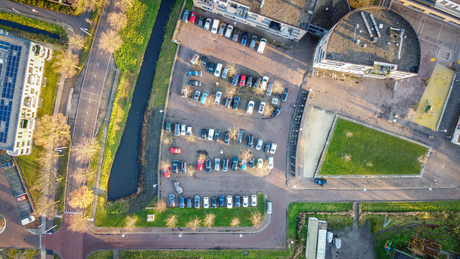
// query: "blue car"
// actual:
[[197, 202], [244, 39], [243, 165], [225, 165], [221, 201], [235, 79], [185, 16], [237, 201], [172, 202], [203, 133], [211, 68], [213, 203], [320, 181], [208, 165], [235, 102], [216, 135], [181, 203], [203, 61], [251, 162], [203, 98], [176, 164], [285, 95], [235, 164]]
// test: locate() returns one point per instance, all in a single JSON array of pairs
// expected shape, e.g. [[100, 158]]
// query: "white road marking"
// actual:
[[94, 76], [84, 123], [83, 134], [439, 34], [86, 112], [89, 93], [92, 86], [97, 64]]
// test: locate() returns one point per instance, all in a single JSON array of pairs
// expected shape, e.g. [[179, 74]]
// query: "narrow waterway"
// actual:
[[28, 29], [125, 170]]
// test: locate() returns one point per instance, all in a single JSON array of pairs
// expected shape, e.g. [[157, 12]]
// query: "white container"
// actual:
[[261, 47]]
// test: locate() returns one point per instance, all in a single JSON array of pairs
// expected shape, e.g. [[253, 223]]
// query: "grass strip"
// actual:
[[104, 254], [51, 6], [224, 254], [358, 150], [410, 206]]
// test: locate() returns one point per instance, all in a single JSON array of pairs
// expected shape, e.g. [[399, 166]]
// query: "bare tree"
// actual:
[[209, 220], [89, 21], [86, 149], [210, 100], [167, 140], [124, 4], [160, 207], [110, 41], [256, 218], [202, 156], [194, 223], [268, 110], [117, 20], [45, 207], [278, 88], [265, 165], [76, 42], [81, 197], [245, 154], [230, 90], [77, 223], [82, 175], [66, 63], [191, 171], [52, 131], [48, 158], [87, 5], [165, 164], [233, 132], [235, 222], [171, 221], [190, 139], [130, 221], [231, 70], [259, 91]]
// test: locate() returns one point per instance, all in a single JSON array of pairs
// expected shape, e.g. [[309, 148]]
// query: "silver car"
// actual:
[[229, 202], [224, 73], [261, 108], [222, 29], [228, 32], [259, 144], [217, 164], [207, 24]]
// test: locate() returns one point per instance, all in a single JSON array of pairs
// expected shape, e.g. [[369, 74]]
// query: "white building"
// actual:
[[315, 247], [281, 18], [22, 64], [446, 10], [371, 42]]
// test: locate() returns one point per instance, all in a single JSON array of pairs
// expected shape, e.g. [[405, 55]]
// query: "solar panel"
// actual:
[[5, 113]]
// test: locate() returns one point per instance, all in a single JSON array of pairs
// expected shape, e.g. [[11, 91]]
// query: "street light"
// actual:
[[180, 235], [123, 235], [241, 235]]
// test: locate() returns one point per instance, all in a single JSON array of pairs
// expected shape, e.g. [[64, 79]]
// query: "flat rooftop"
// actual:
[[329, 12], [293, 12], [13, 61], [342, 45]]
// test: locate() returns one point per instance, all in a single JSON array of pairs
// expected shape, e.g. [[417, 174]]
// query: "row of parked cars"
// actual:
[[212, 134], [214, 201]]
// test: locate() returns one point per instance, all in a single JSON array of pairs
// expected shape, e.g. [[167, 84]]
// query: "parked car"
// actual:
[[253, 200], [253, 41], [235, 35], [240, 136], [259, 144], [185, 16], [205, 202], [235, 163], [243, 165], [166, 172], [172, 202], [249, 81], [270, 162], [273, 148], [222, 29], [243, 80], [216, 136], [224, 73], [178, 187], [194, 73], [228, 101], [193, 18], [183, 167], [269, 207], [252, 162], [269, 89], [215, 26], [227, 138], [21, 197], [217, 164], [183, 128], [208, 165], [194, 83], [245, 201], [260, 163], [200, 21], [204, 96], [189, 131], [264, 82], [221, 200], [213, 202], [203, 61], [175, 166], [189, 203], [28, 220], [181, 202], [184, 93], [229, 202], [174, 150], [177, 129], [237, 201], [203, 134], [168, 126], [235, 102], [199, 166], [194, 59], [197, 202], [257, 83], [267, 147], [320, 181], [250, 141], [277, 112], [211, 68], [218, 69], [197, 95], [218, 96], [235, 79], [225, 165], [207, 24], [244, 39], [285, 95], [261, 107], [228, 32], [250, 107]]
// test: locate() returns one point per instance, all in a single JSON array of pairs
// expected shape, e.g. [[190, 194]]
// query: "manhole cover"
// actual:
[[444, 54]]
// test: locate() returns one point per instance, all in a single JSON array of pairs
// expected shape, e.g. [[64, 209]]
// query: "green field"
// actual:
[[370, 152], [224, 254], [410, 206]]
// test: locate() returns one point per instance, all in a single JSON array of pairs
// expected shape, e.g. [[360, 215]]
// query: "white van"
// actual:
[[218, 69], [269, 207], [210, 134], [261, 47], [215, 26]]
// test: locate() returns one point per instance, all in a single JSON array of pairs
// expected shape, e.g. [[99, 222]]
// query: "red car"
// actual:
[[21, 198], [166, 172], [199, 167], [193, 18], [175, 150], [243, 80]]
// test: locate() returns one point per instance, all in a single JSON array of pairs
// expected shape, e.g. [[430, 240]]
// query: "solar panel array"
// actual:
[[8, 84]]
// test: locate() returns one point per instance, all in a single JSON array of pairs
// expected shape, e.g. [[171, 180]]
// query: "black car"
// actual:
[[7, 164], [225, 165], [244, 39], [203, 61], [211, 68], [213, 202], [221, 201], [235, 163], [267, 147], [181, 202], [228, 101], [251, 162], [250, 141], [177, 129], [194, 83], [203, 133], [285, 95], [216, 135], [227, 137], [236, 33], [240, 136], [249, 81], [257, 83], [183, 166], [200, 21], [277, 112], [208, 165], [175, 165], [197, 202], [197, 95], [189, 203], [172, 202]]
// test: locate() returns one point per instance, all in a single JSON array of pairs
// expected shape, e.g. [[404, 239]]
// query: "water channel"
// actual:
[[124, 177], [28, 29]]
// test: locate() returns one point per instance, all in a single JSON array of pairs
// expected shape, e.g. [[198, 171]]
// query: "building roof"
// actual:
[[342, 44], [329, 12], [13, 61], [293, 12]]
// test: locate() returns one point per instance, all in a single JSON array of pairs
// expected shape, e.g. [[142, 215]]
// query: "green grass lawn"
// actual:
[[104, 254], [369, 152], [410, 206], [227, 254]]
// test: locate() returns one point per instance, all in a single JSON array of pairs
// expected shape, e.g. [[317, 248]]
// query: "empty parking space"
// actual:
[[18, 191]]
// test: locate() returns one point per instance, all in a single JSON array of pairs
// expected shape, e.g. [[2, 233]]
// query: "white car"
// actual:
[[260, 163], [194, 59], [228, 32], [183, 128], [250, 107], [273, 148], [217, 164], [229, 202], [224, 73], [218, 96], [189, 131], [245, 201], [264, 82], [254, 200], [261, 107], [270, 162], [218, 69], [215, 26], [205, 202], [259, 144]]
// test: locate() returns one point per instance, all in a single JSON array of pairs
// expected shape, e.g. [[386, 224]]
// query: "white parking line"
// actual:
[[439, 34]]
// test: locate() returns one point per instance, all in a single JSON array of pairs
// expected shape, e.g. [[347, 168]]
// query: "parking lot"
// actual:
[[286, 67]]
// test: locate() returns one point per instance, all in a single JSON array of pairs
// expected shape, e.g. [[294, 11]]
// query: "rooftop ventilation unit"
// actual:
[[375, 26], [367, 24]]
